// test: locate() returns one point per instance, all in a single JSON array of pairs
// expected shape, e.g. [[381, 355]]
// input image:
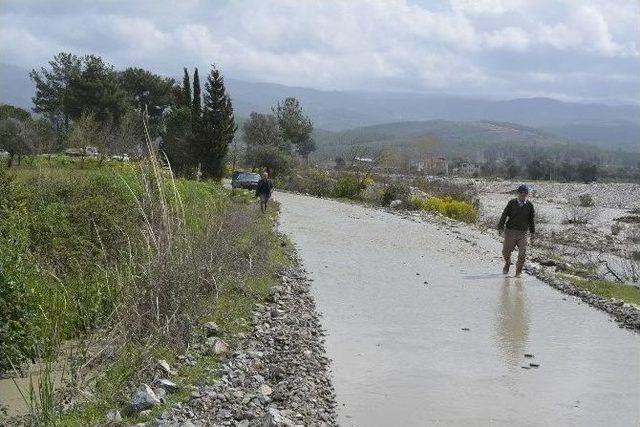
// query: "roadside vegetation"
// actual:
[[108, 268], [448, 199], [116, 238]]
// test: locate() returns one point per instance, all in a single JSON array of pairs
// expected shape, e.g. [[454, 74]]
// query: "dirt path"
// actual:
[[401, 352]]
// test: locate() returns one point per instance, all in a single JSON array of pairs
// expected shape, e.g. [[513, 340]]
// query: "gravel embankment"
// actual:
[[278, 376], [607, 195]]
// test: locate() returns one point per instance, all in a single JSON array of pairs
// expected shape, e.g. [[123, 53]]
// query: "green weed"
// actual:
[[456, 209], [607, 289]]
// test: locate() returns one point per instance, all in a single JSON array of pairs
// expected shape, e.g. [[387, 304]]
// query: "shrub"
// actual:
[[310, 181], [19, 328], [275, 159], [586, 201], [456, 209], [373, 194], [447, 188], [347, 187], [396, 191], [577, 214]]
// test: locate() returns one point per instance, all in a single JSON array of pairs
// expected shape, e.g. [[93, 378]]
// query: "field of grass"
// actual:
[[108, 267]]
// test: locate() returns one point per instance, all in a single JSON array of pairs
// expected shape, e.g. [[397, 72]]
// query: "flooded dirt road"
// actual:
[[423, 330]]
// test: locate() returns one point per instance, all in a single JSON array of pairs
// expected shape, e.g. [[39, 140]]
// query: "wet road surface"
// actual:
[[401, 351]]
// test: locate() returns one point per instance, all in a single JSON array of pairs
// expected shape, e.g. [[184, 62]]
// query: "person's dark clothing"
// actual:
[[265, 186], [519, 217]]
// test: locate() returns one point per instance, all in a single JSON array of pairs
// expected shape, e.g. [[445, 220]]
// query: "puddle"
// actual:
[[400, 354], [14, 392]]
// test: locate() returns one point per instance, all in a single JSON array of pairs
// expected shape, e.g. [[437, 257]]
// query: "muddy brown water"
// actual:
[[15, 391], [401, 351]]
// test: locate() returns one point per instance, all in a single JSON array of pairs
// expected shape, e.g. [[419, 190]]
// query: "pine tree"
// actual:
[[218, 126], [196, 103], [186, 89]]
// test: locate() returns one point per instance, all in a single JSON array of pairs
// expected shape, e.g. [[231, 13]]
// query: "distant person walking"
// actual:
[[263, 191], [517, 219]]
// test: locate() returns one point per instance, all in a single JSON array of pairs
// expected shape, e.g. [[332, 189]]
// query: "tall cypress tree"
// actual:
[[186, 89], [218, 126], [196, 105]]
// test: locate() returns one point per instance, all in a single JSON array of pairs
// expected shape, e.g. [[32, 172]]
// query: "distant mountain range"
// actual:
[[471, 140], [598, 124], [610, 127], [453, 138]]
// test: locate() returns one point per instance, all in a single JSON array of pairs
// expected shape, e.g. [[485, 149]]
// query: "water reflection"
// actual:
[[512, 321]]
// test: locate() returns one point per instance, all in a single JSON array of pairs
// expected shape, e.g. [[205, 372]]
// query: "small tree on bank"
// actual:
[[12, 139], [177, 141]]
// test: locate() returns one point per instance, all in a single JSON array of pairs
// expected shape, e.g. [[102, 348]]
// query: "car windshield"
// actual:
[[249, 177]]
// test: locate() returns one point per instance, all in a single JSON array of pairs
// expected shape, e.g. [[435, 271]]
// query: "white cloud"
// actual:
[[474, 47], [510, 38], [488, 7]]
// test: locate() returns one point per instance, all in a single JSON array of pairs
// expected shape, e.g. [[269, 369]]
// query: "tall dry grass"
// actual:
[[159, 254]]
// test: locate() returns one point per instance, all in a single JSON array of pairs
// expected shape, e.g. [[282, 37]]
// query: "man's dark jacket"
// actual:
[[264, 187], [520, 217]]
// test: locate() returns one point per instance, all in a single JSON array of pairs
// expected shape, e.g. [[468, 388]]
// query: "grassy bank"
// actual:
[[442, 197], [607, 289], [107, 268]]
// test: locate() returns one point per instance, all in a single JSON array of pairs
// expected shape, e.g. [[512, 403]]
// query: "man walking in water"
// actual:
[[263, 191], [518, 216]]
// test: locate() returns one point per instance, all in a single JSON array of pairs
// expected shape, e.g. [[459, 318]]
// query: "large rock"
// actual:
[[395, 204], [114, 416], [164, 365], [144, 398], [265, 390], [274, 418], [217, 346], [168, 386]]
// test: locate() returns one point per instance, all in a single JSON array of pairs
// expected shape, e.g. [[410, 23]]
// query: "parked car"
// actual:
[[247, 180]]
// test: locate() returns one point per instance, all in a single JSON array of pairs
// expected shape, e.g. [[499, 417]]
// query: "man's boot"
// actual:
[[505, 269], [519, 269]]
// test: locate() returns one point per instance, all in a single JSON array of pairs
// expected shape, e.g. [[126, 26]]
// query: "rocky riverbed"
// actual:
[[597, 223], [607, 195], [276, 376]]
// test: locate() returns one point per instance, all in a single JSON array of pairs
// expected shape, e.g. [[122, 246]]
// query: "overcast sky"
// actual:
[[584, 50]]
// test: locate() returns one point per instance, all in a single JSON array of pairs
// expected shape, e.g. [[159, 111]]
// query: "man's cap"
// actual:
[[523, 189]]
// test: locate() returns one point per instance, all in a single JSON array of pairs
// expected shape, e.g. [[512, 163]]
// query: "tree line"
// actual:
[[83, 101], [199, 129]]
